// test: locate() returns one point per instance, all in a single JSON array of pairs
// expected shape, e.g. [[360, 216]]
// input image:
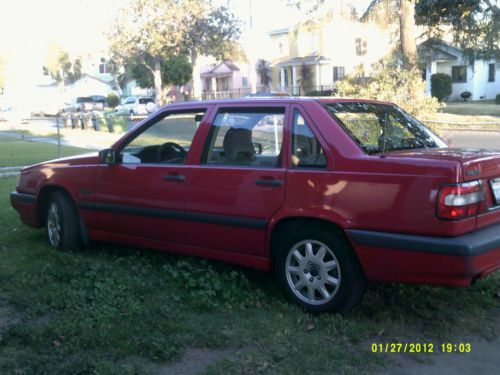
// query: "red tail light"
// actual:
[[460, 201]]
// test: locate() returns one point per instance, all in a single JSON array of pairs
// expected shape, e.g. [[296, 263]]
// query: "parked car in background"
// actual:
[[330, 193], [137, 105], [85, 104]]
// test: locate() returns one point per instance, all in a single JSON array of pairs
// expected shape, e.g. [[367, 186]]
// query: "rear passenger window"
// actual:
[[250, 137], [306, 150]]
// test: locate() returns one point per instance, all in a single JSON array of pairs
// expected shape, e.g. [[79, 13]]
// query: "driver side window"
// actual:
[[167, 141]]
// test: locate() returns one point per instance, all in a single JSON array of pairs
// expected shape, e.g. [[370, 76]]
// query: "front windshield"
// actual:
[[379, 128]]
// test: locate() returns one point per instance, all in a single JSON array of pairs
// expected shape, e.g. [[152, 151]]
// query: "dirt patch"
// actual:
[[483, 358], [195, 360]]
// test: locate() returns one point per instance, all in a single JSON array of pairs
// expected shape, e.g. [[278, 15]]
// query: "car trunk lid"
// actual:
[[477, 164]]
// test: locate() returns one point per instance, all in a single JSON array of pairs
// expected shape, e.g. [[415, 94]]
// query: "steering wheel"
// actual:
[[170, 148]]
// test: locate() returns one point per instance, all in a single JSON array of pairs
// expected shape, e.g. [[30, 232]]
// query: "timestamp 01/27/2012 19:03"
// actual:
[[417, 347]]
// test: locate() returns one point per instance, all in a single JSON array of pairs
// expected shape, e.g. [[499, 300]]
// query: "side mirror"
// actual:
[[258, 148], [107, 156]]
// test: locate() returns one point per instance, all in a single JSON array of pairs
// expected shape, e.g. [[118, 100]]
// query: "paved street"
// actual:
[[478, 138]]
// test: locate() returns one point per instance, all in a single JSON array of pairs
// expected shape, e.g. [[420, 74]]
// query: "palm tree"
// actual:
[[404, 12], [264, 71]]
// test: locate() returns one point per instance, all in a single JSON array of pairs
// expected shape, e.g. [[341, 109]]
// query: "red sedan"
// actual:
[[329, 193]]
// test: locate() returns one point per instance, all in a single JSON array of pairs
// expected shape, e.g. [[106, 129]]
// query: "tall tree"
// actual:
[[175, 70], [210, 30], [475, 24], [147, 32], [61, 67], [385, 12]]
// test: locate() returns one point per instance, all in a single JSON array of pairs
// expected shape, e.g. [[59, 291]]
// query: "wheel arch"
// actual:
[[42, 206], [43, 200], [292, 222]]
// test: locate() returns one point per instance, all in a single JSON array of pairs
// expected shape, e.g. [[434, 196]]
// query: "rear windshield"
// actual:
[[379, 128], [146, 100]]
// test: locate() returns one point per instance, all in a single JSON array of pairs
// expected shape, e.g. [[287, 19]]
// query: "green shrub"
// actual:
[[497, 99], [390, 82], [441, 86], [113, 100]]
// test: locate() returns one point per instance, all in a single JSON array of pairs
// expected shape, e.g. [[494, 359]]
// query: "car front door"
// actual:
[[142, 194], [239, 184]]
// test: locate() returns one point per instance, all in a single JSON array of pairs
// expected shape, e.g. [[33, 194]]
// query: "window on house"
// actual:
[[103, 68], [361, 47], [424, 74], [491, 72], [338, 73], [45, 71], [459, 73], [225, 84], [280, 46], [244, 81]]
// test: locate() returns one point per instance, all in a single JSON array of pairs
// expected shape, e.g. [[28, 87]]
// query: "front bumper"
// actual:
[[25, 205], [431, 260]]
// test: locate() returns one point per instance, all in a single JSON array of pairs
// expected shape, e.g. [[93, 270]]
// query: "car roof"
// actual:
[[271, 100]]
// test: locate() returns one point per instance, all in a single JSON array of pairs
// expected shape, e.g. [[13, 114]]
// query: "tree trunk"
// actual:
[[196, 76], [157, 79], [407, 31]]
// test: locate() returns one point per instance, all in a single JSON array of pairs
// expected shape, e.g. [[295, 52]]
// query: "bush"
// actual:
[[391, 83], [113, 100], [441, 86], [497, 99]]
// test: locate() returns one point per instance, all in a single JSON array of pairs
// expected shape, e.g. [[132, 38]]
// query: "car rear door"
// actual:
[[240, 181]]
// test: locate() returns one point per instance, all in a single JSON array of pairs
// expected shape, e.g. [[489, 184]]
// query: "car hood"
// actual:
[[84, 159]]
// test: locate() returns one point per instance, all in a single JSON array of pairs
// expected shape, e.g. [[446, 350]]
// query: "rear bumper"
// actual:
[[423, 259], [25, 205]]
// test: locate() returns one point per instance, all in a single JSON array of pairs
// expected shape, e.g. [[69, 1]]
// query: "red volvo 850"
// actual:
[[328, 192]]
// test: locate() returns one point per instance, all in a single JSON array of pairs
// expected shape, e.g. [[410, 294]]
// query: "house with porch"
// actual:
[[226, 80], [314, 54], [481, 78]]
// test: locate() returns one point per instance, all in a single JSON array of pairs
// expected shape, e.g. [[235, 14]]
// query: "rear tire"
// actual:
[[62, 223], [318, 269]]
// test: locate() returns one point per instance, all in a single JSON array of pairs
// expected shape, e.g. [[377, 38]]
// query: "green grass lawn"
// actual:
[[17, 152], [477, 108], [117, 310]]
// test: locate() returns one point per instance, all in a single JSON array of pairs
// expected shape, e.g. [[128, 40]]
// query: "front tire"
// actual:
[[318, 269], [63, 230]]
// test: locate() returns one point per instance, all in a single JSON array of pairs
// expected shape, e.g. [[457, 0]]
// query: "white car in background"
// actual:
[[137, 105]]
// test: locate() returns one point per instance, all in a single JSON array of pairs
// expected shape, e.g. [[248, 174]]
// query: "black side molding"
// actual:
[[23, 197], [233, 221], [470, 244]]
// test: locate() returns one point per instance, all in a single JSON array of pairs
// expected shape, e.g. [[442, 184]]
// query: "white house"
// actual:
[[481, 79], [88, 85], [316, 53]]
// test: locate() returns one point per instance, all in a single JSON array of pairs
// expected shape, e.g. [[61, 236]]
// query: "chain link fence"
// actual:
[[33, 140]]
